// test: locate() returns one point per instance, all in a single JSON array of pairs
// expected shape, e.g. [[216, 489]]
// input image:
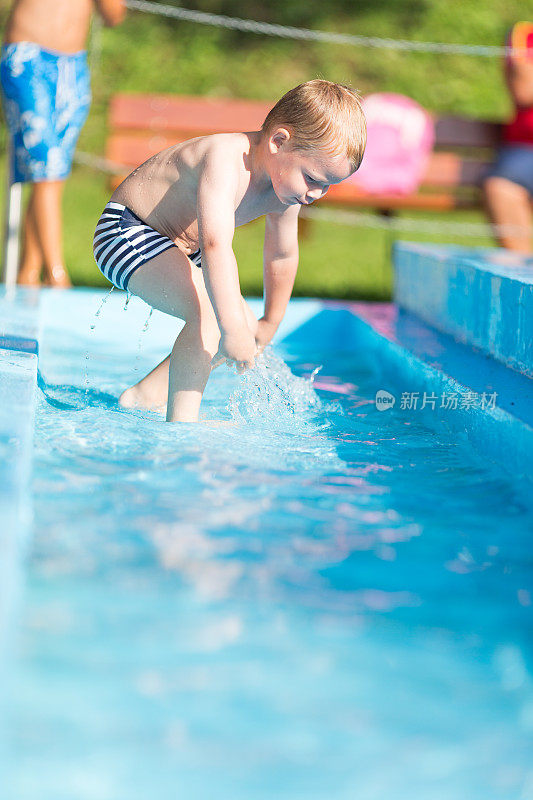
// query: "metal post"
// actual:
[[11, 226]]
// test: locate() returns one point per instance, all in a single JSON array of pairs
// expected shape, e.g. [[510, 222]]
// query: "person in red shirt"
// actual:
[[508, 186]]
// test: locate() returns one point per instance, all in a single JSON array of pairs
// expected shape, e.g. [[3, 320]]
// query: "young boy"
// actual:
[[166, 235]]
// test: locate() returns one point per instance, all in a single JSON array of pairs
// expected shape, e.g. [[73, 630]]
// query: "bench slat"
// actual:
[[346, 194], [454, 131], [167, 113], [444, 170], [185, 114], [142, 125], [448, 170]]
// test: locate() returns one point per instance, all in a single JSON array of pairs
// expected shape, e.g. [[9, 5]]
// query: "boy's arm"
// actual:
[[217, 188], [111, 11], [280, 263]]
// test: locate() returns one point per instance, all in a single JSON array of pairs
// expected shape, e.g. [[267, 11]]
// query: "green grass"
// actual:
[[151, 54]]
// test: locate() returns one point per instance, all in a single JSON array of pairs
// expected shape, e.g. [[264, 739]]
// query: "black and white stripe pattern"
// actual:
[[123, 242], [196, 258]]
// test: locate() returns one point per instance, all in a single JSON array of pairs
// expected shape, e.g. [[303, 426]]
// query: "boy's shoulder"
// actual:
[[221, 153], [225, 144]]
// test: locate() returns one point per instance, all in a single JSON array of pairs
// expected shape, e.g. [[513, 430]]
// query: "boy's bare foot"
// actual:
[[131, 398], [58, 277], [134, 398]]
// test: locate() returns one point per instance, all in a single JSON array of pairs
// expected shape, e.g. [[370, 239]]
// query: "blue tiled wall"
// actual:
[[483, 297]]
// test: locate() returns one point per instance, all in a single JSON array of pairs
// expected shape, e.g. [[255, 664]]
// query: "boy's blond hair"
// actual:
[[321, 114]]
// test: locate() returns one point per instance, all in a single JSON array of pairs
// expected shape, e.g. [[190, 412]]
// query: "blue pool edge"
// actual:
[[20, 316]]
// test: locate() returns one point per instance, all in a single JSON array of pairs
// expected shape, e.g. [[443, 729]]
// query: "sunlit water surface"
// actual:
[[320, 601]]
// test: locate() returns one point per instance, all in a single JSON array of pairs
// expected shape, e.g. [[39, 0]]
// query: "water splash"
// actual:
[[100, 307], [128, 298], [272, 395], [145, 326], [139, 343], [92, 327]]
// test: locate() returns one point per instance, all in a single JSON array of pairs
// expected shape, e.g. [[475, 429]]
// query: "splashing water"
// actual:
[[271, 395], [139, 343], [128, 298], [100, 307], [145, 326], [92, 327]]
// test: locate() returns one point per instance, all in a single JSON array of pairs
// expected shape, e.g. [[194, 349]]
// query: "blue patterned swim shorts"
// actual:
[[46, 97]]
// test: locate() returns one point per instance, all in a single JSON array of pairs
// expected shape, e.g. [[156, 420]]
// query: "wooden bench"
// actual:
[[142, 125]]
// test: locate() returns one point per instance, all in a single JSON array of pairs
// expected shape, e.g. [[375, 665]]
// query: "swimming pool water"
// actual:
[[323, 601]]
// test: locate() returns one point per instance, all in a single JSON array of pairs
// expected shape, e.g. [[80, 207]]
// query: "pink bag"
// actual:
[[400, 140]]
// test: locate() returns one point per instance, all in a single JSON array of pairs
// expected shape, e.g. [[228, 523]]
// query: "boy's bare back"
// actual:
[[164, 191], [60, 25]]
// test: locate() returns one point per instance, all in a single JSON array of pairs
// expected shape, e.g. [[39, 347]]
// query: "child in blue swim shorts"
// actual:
[[46, 95], [46, 98]]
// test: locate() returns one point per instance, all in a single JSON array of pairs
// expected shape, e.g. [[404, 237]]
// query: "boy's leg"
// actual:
[[152, 391], [172, 284], [190, 362], [48, 223], [190, 367], [509, 205], [32, 257]]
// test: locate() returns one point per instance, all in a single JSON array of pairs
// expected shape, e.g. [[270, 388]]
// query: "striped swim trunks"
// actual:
[[123, 243]]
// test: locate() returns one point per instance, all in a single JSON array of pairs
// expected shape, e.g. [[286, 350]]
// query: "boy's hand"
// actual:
[[238, 348], [264, 333]]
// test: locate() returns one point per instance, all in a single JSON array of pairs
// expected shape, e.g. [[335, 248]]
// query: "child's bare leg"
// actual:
[[32, 257], [47, 196], [190, 367], [170, 283], [152, 390], [509, 205]]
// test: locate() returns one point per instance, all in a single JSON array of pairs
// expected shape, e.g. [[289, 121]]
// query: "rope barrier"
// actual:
[[479, 230], [288, 32], [100, 163]]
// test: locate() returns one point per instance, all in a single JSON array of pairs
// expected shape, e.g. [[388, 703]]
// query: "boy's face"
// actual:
[[303, 176]]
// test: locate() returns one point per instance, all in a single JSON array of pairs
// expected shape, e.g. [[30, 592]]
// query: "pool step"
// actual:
[[481, 296]]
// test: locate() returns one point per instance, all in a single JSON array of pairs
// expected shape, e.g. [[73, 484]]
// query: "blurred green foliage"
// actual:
[[148, 53]]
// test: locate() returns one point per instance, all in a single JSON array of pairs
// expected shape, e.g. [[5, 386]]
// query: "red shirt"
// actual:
[[520, 129]]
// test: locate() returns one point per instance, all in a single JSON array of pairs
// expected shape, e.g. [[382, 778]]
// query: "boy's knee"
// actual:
[[497, 187]]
